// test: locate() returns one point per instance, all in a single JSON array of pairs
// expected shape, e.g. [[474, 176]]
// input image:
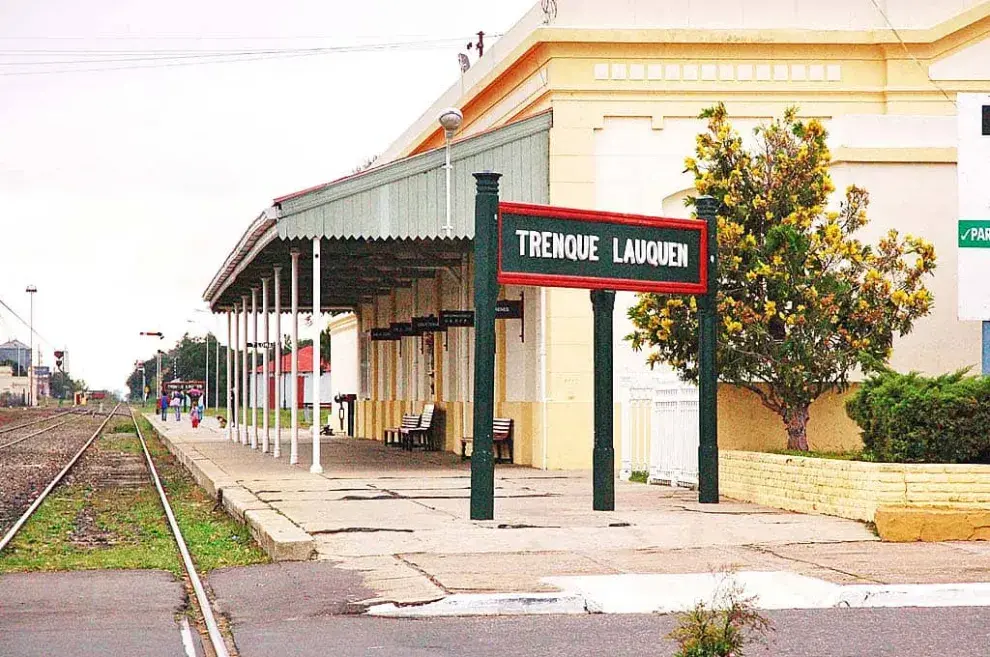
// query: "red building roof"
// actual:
[[305, 362]]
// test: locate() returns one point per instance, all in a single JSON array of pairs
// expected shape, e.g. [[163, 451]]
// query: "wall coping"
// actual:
[[838, 464]]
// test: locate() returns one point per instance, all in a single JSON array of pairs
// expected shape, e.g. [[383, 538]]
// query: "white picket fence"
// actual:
[[660, 431]]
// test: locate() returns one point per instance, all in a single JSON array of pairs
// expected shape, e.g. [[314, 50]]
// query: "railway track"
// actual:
[[32, 433], [193, 581], [48, 418]]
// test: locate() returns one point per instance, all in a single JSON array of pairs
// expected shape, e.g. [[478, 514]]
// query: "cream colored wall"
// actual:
[[746, 424], [15, 385], [920, 199]]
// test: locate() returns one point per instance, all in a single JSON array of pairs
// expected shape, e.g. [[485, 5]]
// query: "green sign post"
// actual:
[[485, 295], [707, 367], [521, 244]]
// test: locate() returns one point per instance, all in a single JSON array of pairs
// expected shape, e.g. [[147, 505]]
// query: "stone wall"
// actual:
[[849, 489]]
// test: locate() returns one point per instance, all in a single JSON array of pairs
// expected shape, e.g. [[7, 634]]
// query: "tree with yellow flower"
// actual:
[[802, 302]]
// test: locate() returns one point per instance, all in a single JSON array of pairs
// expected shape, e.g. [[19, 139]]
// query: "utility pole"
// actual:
[[31, 290]]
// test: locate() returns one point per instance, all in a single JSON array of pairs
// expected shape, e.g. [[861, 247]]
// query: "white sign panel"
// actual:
[[973, 231]]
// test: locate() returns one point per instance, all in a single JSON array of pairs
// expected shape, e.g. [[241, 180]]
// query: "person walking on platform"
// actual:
[[177, 405], [163, 405]]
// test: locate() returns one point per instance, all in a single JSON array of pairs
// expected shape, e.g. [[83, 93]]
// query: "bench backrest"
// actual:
[[501, 428], [426, 419], [410, 421]]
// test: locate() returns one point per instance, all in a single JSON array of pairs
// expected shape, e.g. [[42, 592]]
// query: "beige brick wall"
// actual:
[[849, 489]]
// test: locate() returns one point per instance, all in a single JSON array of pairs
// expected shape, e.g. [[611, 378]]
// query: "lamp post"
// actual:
[[31, 290], [158, 361], [144, 384], [450, 119], [206, 380]]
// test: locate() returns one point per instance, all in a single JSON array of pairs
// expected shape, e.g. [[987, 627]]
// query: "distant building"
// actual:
[[304, 382], [13, 389], [15, 351], [43, 381]]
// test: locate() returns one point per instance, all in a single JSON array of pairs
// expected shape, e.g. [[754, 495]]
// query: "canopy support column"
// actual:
[[294, 384], [230, 425], [316, 468], [244, 374], [254, 368], [277, 448], [265, 436]]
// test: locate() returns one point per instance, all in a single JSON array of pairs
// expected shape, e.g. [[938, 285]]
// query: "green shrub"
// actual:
[[721, 628], [910, 418]]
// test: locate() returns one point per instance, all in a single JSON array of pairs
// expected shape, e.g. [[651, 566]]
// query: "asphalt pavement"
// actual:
[[91, 614], [908, 632], [312, 609]]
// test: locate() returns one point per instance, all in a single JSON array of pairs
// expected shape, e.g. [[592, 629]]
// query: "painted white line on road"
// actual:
[[915, 595], [637, 594], [187, 639], [487, 604], [664, 594]]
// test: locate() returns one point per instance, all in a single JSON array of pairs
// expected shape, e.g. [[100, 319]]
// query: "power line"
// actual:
[[26, 325], [171, 58], [908, 52]]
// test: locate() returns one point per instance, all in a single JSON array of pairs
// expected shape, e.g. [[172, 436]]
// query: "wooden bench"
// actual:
[[422, 431], [393, 435], [501, 439]]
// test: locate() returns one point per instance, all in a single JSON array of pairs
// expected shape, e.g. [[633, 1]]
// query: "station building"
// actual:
[[593, 104]]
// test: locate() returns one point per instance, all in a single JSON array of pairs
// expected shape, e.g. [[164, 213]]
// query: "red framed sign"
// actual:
[[547, 246]]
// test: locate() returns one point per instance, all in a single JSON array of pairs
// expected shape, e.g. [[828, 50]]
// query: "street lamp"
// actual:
[[144, 383], [158, 361], [216, 386], [450, 119], [31, 290]]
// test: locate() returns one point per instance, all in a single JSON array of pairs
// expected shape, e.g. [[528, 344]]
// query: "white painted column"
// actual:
[[230, 423], [276, 450], [316, 467], [233, 420], [265, 436], [294, 383], [253, 395], [244, 373]]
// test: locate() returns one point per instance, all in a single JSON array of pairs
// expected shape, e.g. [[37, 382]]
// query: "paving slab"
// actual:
[[400, 521]]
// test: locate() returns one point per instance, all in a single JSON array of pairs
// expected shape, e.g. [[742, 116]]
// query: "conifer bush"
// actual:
[[910, 418]]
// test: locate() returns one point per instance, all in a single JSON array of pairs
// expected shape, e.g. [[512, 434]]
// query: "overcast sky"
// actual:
[[121, 192]]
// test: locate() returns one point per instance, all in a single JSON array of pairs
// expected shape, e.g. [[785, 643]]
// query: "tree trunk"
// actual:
[[796, 421]]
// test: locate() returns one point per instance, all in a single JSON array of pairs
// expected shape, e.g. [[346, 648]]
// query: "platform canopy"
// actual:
[[382, 229]]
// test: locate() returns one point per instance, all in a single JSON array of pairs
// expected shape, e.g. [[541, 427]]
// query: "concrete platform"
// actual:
[[401, 521]]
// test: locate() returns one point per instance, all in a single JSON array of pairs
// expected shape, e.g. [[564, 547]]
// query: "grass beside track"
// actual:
[[86, 525]]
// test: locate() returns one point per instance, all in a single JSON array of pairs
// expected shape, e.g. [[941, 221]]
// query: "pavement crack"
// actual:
[[415, 501], [728, 513], [433, 580], [763, 549]]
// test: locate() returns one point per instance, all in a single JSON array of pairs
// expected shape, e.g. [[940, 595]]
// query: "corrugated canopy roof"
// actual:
[[406, 199], [384, 224]]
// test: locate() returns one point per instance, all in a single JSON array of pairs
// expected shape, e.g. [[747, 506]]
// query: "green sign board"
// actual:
[[974, 234], [561, 247]]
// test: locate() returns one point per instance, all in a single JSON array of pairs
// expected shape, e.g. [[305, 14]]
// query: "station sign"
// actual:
[[509, 309], [403, 329], [561, 247], [428, 324], [456, 318], [382, 334]]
